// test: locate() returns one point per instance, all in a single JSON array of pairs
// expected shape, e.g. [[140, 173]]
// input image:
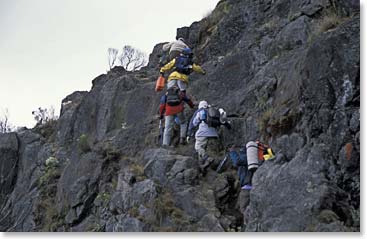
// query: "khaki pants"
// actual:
[[169, 122], [181, 84], [205, 144]]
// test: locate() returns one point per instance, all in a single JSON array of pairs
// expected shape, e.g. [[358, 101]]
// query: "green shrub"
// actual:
[[52, 161], [329, 21], [264, 119], [83, 144], [164, 206], [138, 171], [51, 173], [47, 217]]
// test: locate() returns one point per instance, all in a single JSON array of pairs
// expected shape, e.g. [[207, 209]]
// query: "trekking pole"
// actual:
[[219, 168], [160, 132], [222, 163]]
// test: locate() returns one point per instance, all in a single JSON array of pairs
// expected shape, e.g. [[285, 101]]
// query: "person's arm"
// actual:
[[168, 66], [234, 157], [198, 69], [193, 123], [187, 100]]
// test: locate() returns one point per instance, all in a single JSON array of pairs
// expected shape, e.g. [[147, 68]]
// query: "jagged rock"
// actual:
[[124, 223], [8, 163], [186, 201], [354, 122], [133, 196], [309, 8], [302, 179], [289, 145], [282, 78], [159, 165], [209, 223], [295, 34], [184, 171], [221, 187]]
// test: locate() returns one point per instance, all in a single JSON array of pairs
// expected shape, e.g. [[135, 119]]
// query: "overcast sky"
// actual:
[[49, 48]]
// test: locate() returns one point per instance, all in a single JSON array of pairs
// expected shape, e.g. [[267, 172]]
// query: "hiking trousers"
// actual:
[[169, 123], [201, 144], [181, 84]]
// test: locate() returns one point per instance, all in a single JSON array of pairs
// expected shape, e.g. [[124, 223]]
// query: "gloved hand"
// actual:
[[188, 139], [231, 147]]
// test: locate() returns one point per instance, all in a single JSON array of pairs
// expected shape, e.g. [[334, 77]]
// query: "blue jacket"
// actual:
[[238, 159], [198, 119]]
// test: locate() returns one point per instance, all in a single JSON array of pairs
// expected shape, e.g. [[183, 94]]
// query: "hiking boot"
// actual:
[[182, 141], [247, 187]]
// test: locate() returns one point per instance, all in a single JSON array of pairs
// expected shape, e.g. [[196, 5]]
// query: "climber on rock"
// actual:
[[248, 159], [174, 48], [172, 106], [208, 119], [183, 66]]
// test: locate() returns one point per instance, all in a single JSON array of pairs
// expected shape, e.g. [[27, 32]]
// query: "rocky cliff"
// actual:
[[287, 72]]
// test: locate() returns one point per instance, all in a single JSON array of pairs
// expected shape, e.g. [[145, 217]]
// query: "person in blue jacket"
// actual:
[[250, 156], [239, 160]]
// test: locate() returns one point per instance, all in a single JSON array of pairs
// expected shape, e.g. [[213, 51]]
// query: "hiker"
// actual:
[[175, 48], [183, 66], [208, 119], [239, 161], [172, 105], [248, 160]]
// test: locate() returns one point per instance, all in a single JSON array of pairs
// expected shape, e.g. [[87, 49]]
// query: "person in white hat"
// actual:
[[208, 119]]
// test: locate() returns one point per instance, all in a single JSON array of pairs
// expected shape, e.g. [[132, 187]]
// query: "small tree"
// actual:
[[112, 56], [132, 59], [5, 126], [43, 116]]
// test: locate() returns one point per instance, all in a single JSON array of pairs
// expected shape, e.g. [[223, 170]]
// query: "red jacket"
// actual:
[[166, 109]]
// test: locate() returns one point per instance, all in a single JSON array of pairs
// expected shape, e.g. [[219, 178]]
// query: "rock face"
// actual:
[[287, 73]]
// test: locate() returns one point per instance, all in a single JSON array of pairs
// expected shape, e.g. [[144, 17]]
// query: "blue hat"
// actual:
[[187, 51]]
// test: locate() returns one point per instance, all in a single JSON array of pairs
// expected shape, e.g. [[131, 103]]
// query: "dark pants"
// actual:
[[239, 160], [250, 174], [242, 172]]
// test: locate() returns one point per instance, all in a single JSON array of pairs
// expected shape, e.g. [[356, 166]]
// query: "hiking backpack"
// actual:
[[173, 96], [213, 117], [183, 64]]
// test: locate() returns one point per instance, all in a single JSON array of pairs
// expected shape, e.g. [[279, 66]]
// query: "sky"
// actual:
[[49, 48]]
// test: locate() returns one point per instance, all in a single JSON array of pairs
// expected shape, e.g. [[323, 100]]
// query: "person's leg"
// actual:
[[200, 147], [242, 172], [183, 127], [248, 179], [169, 120], [182, 85], [171, 83]]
